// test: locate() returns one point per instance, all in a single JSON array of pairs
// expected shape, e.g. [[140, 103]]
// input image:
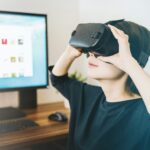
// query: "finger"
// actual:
[[113, 28], [119, 34], [117, 30], [114, 32], [108, 59]]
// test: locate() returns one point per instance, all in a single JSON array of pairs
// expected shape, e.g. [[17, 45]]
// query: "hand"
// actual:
[[73, 52], [123, 58]]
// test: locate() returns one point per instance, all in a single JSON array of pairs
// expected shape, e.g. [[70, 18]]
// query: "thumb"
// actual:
[[108, 59]]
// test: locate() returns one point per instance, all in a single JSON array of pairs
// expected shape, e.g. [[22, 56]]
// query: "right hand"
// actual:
[[73, 52]]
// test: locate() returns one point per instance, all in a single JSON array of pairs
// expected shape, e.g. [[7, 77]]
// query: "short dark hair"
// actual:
[[131, 86]]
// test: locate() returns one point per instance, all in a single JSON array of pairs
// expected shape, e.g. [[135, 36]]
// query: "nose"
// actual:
[[90, 54]]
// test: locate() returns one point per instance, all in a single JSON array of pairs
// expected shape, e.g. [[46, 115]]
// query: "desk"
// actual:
[[47, 130]]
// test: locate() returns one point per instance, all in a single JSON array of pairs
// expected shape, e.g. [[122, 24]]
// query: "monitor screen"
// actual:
[[23, 50]]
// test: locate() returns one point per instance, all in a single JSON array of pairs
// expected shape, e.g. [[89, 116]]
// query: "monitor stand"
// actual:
[[27, 98]]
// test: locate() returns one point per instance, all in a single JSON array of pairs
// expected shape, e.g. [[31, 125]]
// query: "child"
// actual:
[[109, 116]]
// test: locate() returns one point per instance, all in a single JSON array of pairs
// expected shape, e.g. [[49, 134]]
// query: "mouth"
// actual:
[[92, 65]]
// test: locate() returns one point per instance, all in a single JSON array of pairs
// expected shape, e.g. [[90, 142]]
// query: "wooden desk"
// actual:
[[46, 131]]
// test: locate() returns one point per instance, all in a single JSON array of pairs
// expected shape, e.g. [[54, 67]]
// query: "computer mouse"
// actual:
[[58, 116]]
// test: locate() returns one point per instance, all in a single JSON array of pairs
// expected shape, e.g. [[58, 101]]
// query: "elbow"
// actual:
[[148, 108]]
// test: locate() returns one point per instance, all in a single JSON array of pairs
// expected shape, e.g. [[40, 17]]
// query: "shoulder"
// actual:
[[92, 91], [142, 109], [93, 88]]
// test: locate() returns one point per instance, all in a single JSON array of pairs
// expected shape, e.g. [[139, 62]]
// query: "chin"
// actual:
[[98, 75]]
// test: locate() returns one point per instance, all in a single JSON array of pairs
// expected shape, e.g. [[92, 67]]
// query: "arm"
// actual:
[[141, 79], [64, 62], [70, 88], [128, 64]]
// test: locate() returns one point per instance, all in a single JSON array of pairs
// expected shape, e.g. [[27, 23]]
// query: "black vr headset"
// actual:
[[98, 38]]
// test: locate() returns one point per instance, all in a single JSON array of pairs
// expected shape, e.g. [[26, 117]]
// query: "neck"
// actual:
[[115, 90]]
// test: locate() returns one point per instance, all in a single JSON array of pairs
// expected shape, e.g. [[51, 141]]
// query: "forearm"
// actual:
[[141, 79], [63, 64]]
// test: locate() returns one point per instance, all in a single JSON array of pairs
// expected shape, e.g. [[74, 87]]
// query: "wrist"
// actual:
[[69, 55], [131, 64], [63, 64]]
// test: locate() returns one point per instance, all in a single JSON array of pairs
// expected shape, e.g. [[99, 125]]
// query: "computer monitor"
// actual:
[[23, 54]]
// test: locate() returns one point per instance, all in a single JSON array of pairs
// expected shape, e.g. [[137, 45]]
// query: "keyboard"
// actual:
[[8, 113], [16, 125]]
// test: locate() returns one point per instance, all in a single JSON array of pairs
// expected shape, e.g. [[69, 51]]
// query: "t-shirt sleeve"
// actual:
[[70, 88], [75, 91]]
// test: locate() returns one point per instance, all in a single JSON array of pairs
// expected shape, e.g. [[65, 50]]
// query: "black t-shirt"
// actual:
[[97, 124]]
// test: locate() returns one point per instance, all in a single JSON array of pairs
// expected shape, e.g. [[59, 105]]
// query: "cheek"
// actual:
[[106, 71]]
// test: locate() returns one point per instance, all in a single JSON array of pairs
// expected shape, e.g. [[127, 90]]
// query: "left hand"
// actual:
[[123, 58]]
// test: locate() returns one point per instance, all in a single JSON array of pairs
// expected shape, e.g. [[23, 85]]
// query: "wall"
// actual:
[[103, 10], [62, 18]]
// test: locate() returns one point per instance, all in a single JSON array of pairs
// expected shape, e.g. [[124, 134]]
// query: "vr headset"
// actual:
[[98, 38], [95, 37]]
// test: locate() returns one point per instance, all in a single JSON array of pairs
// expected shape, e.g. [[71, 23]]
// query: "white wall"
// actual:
[[63, 16], [104, 10]]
